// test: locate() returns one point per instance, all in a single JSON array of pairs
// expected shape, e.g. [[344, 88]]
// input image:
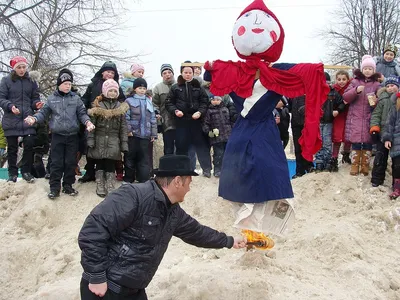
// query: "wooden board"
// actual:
[[328, 67]]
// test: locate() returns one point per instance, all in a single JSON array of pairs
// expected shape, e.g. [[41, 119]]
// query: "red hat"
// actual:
[[273, 53], [17, 61]]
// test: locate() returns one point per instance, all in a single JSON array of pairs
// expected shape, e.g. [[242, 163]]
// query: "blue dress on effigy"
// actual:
[[254, 167]]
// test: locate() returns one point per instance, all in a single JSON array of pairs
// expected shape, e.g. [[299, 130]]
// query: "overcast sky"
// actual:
[[177, 30]]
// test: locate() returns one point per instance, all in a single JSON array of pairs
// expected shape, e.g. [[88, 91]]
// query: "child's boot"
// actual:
[[365, 159], [110, 178], [119, 169], [101, 184], [346, 158], [355, 162], [333, 165], [396, 190]]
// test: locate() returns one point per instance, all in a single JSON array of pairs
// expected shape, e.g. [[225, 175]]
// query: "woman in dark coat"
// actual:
[[110, 137], [19, 97]]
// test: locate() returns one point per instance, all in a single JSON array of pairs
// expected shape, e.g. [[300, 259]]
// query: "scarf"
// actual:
[[308, 79]]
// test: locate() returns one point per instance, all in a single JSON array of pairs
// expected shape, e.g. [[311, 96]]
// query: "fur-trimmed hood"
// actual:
[[359, 75], [195, 83], [100, 110]]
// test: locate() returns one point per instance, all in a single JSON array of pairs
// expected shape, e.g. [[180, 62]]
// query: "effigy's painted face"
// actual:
[[255, 32]]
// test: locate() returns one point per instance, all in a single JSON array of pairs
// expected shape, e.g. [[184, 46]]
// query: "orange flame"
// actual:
[[253, 236]]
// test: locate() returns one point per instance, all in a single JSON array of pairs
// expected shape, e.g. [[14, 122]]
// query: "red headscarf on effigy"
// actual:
[[308, 79]]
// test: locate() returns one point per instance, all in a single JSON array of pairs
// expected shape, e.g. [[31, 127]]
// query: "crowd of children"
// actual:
[[115, 125]]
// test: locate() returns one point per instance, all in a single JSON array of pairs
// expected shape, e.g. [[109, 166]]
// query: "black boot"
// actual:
[[319, 168], [88, 177], [346, 158], [333, 165]]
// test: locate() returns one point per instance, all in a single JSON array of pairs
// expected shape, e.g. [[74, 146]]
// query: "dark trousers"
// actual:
[[125, 294], [191, 133], [302, 165], [396, 167], [192, 156], [90, 166], [137, 160], [218, 155], [27, 157], [150, 154], [380, 164], [63, 160], [169, 141], [107, 165], [48, 166], [285, 138]]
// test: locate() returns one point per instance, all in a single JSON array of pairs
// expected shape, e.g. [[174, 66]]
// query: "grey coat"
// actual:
[[23, 93], [66, 112], [110, 137], [387, 68], [160, 93], [392, 131]]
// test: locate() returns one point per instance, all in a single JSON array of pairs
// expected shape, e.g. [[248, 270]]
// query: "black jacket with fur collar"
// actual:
[[188, 97]]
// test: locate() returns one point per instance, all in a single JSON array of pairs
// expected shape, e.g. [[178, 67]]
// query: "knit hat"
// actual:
[[212, 97], [391, 48], [368, 61], [17, 61], [187, 62], [136, 67], [273, 53], [109, 84], [327, 77], [63, 76], [139, 82], [166, 67], [393, 80]]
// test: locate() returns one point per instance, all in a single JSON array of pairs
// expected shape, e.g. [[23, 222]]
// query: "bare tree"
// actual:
[[362, 27], [56, 34]]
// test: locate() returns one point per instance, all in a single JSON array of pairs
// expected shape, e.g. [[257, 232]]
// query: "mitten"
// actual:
[[216, 132], [211, 134]]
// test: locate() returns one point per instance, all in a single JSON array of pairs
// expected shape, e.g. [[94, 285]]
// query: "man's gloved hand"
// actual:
[[211, 134], [216, 132]]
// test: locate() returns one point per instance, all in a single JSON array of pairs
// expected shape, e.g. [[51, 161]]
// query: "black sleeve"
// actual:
[[203, 101], [87, 96], [121, 97], [104, 223], [192, 232], [170, 102]]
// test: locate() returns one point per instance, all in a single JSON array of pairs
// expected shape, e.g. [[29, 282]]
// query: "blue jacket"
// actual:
[[66, 112], [127, 85], [141, 118], [23, 93]]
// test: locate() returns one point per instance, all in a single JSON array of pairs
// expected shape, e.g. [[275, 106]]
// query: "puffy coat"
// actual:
[[217, 117], [381, 112], [66, 112], [188, 97], [160, 93], [23, 93], [334, 102], [392, 131], [297, 106], [127, 83], [142, 124], [124, 238], [359, 115], [110, 136], [95, 87]]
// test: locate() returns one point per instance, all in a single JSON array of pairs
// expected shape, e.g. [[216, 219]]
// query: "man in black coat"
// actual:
[[124, 238]]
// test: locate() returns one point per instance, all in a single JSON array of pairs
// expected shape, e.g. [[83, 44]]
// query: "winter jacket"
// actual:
[[124, 238], [297, 108], [334, 102], [127, 84], [66, 112], [188, 97], [359, 115], [141, 118], [392, 131], [233, 115], [110, 136], [95, 87], [160, 93], [381, 111], [387, 68], [23, 93], [217, 117]]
